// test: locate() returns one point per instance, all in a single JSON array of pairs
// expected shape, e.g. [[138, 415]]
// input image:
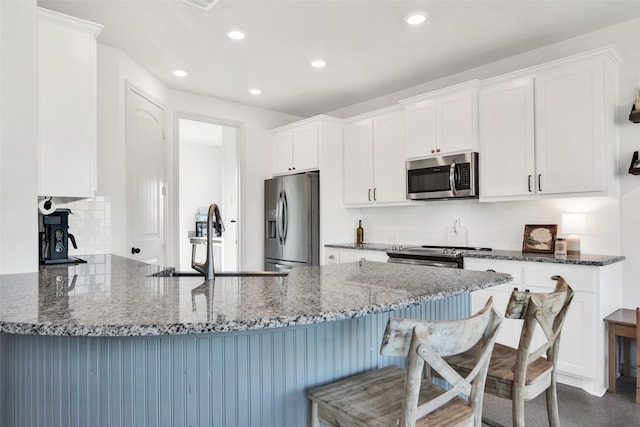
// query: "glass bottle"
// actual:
[[359, 233]]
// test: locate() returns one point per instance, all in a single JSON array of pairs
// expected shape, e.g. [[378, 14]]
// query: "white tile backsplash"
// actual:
[[91, 225], [498, 225]]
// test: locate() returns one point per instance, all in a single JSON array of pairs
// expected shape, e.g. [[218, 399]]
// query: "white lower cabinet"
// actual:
[[583, 347], [339, 255]]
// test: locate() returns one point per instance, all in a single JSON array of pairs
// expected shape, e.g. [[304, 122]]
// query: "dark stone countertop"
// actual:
[[582, 259], [116, 296]]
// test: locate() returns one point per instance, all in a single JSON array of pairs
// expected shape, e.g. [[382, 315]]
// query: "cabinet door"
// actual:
[[507, 149], [67, 106], [358, 162], [389, 171], [456, 121], [570, 129], [283, 152], [420, 122], [305, 147], [351, 255]]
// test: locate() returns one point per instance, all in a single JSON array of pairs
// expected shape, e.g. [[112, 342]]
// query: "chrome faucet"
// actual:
[[214, 222]]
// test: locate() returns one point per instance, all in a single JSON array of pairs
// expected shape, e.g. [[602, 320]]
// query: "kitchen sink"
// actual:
[[173, 273]]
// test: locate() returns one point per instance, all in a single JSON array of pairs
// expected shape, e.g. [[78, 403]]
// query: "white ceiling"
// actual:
[[369, 49]]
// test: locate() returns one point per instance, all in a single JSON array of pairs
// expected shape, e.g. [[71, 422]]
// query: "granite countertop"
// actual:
[[116, 296], [583, 259]]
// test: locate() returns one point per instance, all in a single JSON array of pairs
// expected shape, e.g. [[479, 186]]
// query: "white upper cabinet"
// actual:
[[295, 149], [358, 162], [507, 156], [570, 128], [67, 105], [374, 160], [442, 122], [550, 130]]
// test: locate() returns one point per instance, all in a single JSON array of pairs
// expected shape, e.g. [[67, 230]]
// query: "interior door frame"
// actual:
[[130, 87], [240, 147]]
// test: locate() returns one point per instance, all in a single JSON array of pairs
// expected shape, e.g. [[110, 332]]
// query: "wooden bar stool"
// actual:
[[522, 373], [395, 397], [623, 323]]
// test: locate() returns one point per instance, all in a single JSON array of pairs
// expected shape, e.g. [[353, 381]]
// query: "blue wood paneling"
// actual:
[[254, 378]]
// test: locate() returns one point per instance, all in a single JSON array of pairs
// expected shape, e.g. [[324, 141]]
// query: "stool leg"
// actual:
[[315, 421], [612, 360], [552, 403], [626, 352]]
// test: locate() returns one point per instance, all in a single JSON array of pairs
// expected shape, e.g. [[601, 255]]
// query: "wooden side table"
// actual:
[[622, 323]]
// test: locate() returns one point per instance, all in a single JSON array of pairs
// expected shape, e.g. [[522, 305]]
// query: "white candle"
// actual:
[[573, 244]]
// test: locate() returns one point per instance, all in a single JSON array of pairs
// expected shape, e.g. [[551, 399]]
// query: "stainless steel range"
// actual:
[[435, 256]]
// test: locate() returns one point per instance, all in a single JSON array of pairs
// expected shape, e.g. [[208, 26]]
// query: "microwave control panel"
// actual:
[[464, 176]]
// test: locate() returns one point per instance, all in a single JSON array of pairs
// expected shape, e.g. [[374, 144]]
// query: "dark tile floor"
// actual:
[[576, 407]]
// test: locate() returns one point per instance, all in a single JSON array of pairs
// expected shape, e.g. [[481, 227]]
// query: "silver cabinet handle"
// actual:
[[529, 183], [374, 194], [369, 194], [539, 184], [332, 257], [437, 150]]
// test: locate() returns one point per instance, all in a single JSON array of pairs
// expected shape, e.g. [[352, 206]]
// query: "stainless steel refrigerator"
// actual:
[[292, 221]]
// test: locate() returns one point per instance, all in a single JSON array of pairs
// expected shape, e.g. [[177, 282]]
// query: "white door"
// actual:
[[570, 129], [455, 122], [305, 147], [389, 169], [145, 179], [358, 162], [283, 152], [507, 162], [420, 123]]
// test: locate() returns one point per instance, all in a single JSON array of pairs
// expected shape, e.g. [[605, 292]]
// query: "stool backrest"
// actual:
[[429, 341], [546, 310]]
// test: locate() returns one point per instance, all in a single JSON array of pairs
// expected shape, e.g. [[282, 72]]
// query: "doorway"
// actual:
[[207, 173]]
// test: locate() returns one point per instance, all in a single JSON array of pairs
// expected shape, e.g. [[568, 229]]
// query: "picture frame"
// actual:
[[539, 238]]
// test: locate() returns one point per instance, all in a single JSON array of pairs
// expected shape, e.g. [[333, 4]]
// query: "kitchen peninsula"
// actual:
[[112, 342]]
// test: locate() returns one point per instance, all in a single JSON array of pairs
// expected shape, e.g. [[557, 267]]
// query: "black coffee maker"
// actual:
[[54, 246]]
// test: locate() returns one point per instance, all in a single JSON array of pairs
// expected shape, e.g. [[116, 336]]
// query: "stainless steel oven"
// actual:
[[443, 177], [434, 256]]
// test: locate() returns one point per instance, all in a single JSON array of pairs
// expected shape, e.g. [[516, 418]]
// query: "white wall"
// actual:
[[255, 160], [18, 137], [613, 222]]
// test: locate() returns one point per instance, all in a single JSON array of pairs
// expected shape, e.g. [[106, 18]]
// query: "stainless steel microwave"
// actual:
[[443, 177]]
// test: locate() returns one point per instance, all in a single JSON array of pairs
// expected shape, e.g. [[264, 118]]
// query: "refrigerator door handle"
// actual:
[[279, 218], [285, 219]]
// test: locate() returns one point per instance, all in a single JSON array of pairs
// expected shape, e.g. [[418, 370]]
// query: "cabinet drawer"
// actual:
[[351, 255], [332, 256], [580, 278]]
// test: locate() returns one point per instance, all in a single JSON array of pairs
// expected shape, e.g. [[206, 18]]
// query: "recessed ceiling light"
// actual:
[[318, 63], [180, 73], [236, 34], [416, 18], [255, 91]]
